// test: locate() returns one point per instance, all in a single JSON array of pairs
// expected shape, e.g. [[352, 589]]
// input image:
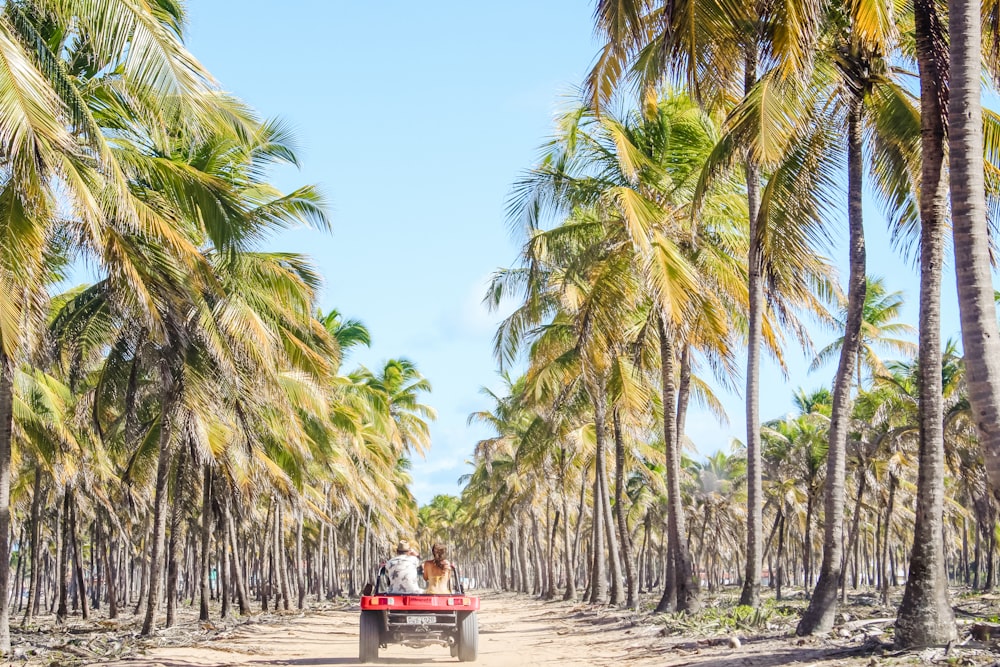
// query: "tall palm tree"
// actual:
[[714, 50], [638, 173], [980, 334], [925, 615]]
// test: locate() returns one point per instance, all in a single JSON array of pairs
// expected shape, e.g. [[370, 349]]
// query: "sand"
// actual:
[[522, 632]]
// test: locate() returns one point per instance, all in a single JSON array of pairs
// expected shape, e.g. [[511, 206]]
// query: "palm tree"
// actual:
[[215, 319], [980, 334], [880, 331], [639, 173], [925, 615], [399, 385], [718, 491], [704, 47]]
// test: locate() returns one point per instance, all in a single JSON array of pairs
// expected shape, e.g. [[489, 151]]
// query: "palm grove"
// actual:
[[675, 229], [182, 429]]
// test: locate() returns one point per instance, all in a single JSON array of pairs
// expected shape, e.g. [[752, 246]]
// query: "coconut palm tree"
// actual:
[[639, 171], [880, 331], [980, 334], [925, 615], [714, 50], [398, 384], [719, 489]]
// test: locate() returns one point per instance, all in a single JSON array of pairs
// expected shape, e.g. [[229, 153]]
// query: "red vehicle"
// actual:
[[418, 620]]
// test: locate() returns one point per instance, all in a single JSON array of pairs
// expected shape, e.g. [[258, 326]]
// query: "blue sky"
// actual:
[[415, 119]]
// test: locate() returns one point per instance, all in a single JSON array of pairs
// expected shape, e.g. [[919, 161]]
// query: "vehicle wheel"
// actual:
[[369, 636], [468, 637]]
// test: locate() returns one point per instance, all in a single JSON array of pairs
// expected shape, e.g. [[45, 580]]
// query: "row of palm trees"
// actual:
[[517, 492], [527, 512], [692, 224], [184, 424]]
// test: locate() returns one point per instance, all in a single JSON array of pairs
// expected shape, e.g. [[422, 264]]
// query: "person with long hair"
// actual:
[[437, 571]]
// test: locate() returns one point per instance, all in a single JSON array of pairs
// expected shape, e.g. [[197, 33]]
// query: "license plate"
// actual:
[[423, 619]]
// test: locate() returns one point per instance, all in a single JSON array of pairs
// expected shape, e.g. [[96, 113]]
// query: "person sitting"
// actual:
[[437, 571], [401, 570]]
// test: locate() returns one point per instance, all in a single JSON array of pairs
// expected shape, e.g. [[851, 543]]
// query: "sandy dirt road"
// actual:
[[519, 632], [513, 631]]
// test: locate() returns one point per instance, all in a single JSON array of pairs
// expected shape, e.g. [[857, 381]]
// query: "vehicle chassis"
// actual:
[[419, 620]]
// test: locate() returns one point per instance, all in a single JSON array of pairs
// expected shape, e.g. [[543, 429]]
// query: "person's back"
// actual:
[[437, 572], [402, 570]]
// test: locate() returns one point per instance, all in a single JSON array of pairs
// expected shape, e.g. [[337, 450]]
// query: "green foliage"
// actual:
[[727, 620]]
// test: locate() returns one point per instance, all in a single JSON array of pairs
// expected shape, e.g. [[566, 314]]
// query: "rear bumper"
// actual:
[[435, 603]]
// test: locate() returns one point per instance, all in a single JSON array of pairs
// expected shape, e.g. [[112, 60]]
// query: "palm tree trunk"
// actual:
[[538, 585], [780, 579], [853, 539], [321, 560], [175, 545], [267, 555], [598, 573], [978, 552], [36, 527], [631, 600], [602, 503], [286, 581], [224, 575], [578, 527], [352, 552], [822, 609], [335, 589], [63, 565], [568, 556], [238, 575], [550, 561], [750, 595], [991, 549], [144, 564], [522, 555], [807, 541], [6, 426], [81, 582], [647, 546], [206, 543], [168, 393], [616, 595], [109, 554], [683, 392], [965, 552], [884, 572], [687, 584], [300, 579], [980, 336], [925, 615]]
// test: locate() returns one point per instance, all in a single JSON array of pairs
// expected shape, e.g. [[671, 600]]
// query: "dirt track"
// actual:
[[519, 632], [513, 631]]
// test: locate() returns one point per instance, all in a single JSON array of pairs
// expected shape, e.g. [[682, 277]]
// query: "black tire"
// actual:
[[370, 636], [468, 637]]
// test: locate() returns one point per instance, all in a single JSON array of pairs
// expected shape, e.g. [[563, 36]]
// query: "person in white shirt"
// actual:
[[402, 570]]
